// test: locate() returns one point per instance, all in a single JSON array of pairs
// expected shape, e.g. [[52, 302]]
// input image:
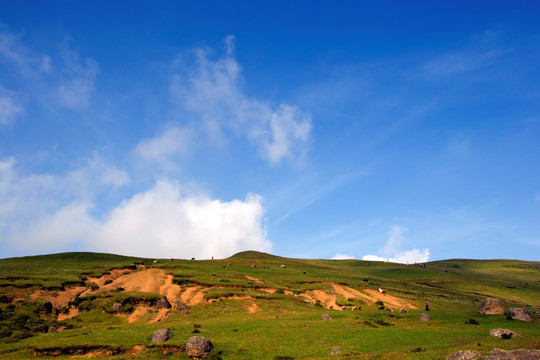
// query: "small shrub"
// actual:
[[280, 291], [280, 357], [418, 350], [197, 326], [506, 336], [196, 331], [108, 281], [379, 302], [472, 322], [369, 323], [382, 322]]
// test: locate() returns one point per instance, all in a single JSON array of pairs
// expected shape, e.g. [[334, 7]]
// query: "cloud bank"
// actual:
[[391, 251], [48, 213]]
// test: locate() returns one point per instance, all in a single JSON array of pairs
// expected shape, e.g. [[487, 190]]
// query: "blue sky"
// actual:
[[381, 130]]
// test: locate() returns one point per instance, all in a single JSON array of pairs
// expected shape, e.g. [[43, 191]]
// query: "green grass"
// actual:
[[286, 326]]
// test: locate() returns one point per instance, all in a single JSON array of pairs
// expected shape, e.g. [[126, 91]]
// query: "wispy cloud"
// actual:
[[9, 108], [211, 92], [392, 250], [481, 51], [77, 84], [165, 148], [62, 82]]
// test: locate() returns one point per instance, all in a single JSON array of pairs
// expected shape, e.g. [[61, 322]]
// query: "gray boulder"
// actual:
[[326, 317], [198, 347], [163, 303], [335, 351], [503, 333], [424, 317], [161, 335], [181, 307], [464, 355], [521, 354], [521, 314], [403, 310], [117, 307], [491, 306]]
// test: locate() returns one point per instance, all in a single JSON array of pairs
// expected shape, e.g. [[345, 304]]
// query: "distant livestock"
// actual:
[[382, 291], [283, 266]]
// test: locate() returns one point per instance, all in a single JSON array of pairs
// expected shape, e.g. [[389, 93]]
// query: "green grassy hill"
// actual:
[[259, 306]]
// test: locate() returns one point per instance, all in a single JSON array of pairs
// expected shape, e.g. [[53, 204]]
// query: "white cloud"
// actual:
[[342, 257], [164, 148], [161, 222], [48, 213], [391, 251], [9, 109], [212, 93]]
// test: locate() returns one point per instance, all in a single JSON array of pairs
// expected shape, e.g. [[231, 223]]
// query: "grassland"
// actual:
[[253, 308]]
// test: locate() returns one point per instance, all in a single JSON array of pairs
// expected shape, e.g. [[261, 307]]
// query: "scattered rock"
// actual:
[[335, 351], [117, 307], [503, 333], [283, 266], [356, 308], [326, 317], [424, 317], [181, 307], [149, 311], [464, 355], [198, 347], [491, 306], [521, 314], [163, 303], [403, 310], [161, 335], [521, 354]]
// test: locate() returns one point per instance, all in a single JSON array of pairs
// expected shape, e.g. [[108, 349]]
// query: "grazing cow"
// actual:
[[382, 291]]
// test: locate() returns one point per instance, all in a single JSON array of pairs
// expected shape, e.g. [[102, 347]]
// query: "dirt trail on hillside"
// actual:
[[138, 313], [162, 314], [258, 281], [58, 298]]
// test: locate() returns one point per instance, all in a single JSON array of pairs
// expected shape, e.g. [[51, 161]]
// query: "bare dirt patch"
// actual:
[[72, 313], [253, 308], [193, 295], [268, 290], [389, 299], [326, 299], [58, 298]]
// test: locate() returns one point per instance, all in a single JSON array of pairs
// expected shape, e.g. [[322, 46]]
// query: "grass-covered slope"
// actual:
[[259, 306]]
